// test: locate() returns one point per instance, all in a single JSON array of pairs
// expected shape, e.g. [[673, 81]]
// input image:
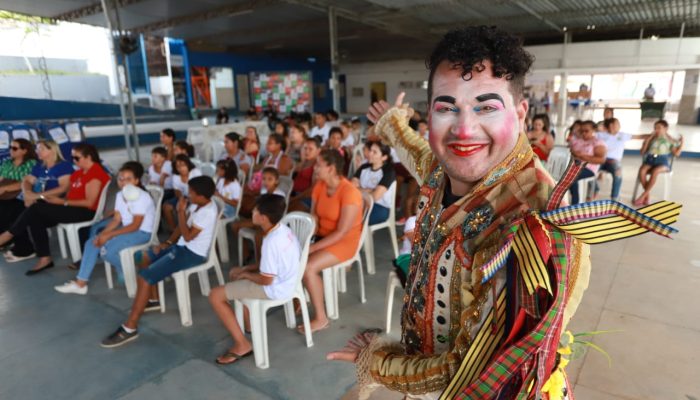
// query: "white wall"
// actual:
[[581, 58], [63, 87]]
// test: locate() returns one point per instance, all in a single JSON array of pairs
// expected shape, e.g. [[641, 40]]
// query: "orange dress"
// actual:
[[328, 213]]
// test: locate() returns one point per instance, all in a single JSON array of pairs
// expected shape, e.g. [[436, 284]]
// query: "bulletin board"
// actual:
[[283, 91]]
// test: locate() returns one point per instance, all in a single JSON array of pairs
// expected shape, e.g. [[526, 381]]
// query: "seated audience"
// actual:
[[335, 140], [657, 152], [228, 188], [275, 278], [130, 225], [337, 207], [297, 136], [586, 148], [321, 127], [194, 234], [79, 205], [540, 138], [160, 172], [232, 145], [167, 139], [184, 171], [182, 147], [375, 178], [615, 143], [251, 143], [304, 177]]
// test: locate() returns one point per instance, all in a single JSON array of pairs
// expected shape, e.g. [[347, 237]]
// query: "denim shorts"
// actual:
[[168, 261], [655, 160]]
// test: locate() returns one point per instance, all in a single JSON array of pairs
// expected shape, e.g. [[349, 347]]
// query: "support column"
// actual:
[[690, 99], [120, 88], [333, 33], [563, 101]]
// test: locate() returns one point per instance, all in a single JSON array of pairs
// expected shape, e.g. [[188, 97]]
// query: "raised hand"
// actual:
[[379, 108]]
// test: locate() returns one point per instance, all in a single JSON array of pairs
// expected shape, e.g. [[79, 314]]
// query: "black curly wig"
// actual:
[[469, 47]]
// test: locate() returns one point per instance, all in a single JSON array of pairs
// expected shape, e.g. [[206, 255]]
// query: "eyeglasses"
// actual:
[[14, 148]]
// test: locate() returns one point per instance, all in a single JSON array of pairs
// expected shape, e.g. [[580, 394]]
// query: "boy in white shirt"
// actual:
[[195, 231], [160, 172], [275, 278]]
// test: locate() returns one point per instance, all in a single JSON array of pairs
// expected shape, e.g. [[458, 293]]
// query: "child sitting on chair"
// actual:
[[195, 231], [228, 188], [270, 184], [275, 278]]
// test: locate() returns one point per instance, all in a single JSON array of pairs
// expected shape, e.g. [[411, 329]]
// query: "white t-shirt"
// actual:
[[408, 227], [348, 141], [232, 191], [205, 220], [154, 177], [615, 143], [277, 191], [323, 131], [370, 179], [144, 205], [280, 259], [240, 158], [178, 184]]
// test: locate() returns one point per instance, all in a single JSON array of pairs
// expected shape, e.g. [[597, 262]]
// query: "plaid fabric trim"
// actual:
[[562, 186], [510, 361]]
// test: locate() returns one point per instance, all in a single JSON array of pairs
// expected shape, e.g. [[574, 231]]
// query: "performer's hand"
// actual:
[[355, 345], [343, 355], [379, 108]]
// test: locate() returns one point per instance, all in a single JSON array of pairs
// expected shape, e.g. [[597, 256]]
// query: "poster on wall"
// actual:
[[283, 92]]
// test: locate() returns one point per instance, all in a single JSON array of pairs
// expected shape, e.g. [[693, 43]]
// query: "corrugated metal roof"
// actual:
[[402, 27]]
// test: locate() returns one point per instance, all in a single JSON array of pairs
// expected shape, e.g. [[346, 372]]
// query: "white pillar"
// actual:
[[690, 99], [333, 33]]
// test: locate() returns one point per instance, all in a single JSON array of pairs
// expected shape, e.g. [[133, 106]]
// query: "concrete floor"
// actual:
[[646, 287]]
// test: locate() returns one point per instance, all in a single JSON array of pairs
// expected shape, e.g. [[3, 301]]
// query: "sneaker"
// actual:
[[152, 305], [119, 337], [11, 258], [401, 222], [71, 287]]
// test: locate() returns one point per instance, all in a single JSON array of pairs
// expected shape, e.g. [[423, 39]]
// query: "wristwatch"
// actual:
[[41, 196]]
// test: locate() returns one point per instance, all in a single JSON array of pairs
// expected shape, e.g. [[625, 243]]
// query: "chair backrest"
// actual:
[[220, 205], [208, 169], [217, 149], [156, 193], [367, 206], [286, 184], [101, 203], [303, 226], [197, 162], [392, 209], [356, 154], [291, 171], [241, 177], [557, 161]]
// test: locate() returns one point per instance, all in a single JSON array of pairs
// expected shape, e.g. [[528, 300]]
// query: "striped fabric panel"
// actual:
[[532, 266], [606, 229], [480, 351], [499, 259], [562, 186]]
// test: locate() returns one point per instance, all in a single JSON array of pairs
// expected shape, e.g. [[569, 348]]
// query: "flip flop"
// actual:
[[300, 328], [230, 354]]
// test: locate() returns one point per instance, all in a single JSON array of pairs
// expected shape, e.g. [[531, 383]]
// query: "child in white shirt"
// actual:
[[275, 278], [228, 188]]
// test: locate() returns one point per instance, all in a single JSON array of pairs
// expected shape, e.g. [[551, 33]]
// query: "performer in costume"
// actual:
[[496, 269]]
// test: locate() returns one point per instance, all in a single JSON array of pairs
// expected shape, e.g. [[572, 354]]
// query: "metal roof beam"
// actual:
[[92, 9], [537, 15], [204, 15]]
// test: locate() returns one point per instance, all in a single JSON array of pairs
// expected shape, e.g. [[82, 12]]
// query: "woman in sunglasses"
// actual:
[[14, 169], [50, 176], [79, 205]]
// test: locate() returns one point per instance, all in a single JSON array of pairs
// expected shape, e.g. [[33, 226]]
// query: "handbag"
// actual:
[[11, 194]]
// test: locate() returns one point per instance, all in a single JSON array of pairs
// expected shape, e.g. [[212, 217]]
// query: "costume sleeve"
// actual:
[[413, 150]]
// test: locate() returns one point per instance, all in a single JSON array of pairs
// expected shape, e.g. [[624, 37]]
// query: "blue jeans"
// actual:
[[378, 215], [173, 259], [612, 166], [585, 173], [112, 249], [229, 211]]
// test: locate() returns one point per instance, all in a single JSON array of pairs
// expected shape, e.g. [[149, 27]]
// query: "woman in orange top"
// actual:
[[337, 207]]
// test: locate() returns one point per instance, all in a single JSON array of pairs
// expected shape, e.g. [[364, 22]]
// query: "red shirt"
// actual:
[[79, 179], [302, 180]]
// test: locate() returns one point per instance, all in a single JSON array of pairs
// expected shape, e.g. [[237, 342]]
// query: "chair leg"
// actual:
[[289, 314], [636, 189], [369, 253], [240, 250], [108, 275], [394, 239], [667, 185], [204, 282], [74, 244], [222, 243], [61, 241], [238, 309], [219, 274], [330, 293], [305, 320], [361, 276], [161, 296], [342, 283], [183, 301], [389, 300], [129, 271], [257, 334]]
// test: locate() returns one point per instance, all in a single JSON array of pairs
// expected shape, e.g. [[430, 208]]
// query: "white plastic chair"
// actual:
[[197, 163], [181, 278], [127, 255], [286, 184], [303, 227], [222, 232], [557, 161], [208, 169], [71, 230], [217, 149], [356, 155], [393, 283], [334, 277], [389, 224], [666, 178]]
